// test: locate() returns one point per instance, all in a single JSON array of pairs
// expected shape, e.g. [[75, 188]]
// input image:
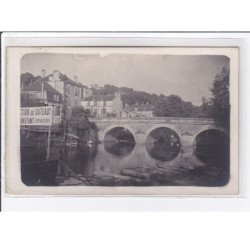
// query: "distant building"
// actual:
[[103, 105], [86, 92], [138, 110]]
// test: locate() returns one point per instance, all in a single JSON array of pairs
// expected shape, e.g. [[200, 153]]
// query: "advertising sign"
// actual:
[[36, 116]]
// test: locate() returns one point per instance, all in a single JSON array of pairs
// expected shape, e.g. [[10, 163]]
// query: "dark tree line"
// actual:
[[174, 106], [218, 106], [171, 105], [26, 79]]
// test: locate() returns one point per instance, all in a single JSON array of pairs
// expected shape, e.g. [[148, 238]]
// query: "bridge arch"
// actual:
[[156, 126], [163, 142], [211, 127], [107, 129], [212, 143]]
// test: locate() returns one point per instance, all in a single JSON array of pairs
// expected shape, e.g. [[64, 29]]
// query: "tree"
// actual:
[[65, 108], [206, 107], [172, 106], [26, 79], [79, 121], [220, 97]]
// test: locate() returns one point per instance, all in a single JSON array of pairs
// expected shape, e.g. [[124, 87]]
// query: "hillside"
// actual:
[[171, 105], [163, 106]]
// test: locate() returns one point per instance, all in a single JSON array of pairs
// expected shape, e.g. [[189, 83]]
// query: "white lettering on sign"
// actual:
[[36, 116]]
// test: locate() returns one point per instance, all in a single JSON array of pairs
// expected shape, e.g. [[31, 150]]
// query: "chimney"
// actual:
[[75, 79], [43, 73], [56, 75]]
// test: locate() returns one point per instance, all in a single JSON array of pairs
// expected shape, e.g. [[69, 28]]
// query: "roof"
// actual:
[[37, 86], [62, 77], [66, 79], [99, 98]]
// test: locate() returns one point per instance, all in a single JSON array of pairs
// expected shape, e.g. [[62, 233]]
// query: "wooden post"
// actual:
[[49, 139]]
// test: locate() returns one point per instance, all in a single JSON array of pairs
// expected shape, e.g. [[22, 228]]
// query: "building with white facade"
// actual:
[[103, 105], [138, 110]]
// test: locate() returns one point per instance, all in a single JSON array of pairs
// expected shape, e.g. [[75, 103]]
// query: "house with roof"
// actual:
[[71, 91], [86, 92], [139, 110], [104, 105], [44, 94]]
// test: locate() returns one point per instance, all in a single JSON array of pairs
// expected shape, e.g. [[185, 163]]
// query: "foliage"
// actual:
[[128, 95], [220, 104], [171, 105], [26, 79], [79, 121], [206, 107], [65, 108], [174, 106]]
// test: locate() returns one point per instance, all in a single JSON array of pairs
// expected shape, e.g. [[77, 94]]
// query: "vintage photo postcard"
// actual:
[[121, 121]]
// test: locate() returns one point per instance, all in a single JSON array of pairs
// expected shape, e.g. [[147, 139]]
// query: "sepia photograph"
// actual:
[[122, 117]]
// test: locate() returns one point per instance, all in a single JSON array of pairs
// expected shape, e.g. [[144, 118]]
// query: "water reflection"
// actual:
[[35, 169], [79, 158], [212, 146], [119, 148], [163, 144], [162, 161], [119, 141]]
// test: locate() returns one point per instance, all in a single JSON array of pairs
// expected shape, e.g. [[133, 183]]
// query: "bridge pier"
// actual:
[[140, 138], [187, 145]]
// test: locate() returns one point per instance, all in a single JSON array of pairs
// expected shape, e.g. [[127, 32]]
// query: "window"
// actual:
[[95, 103], [104, 103], [103, 111], [76, 91], [88, 103], [57, 110]]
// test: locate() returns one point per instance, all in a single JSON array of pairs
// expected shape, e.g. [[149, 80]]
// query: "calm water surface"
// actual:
[[125, 163]]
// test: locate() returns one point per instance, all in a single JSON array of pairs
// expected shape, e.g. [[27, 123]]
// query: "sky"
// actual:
[[189, 77]]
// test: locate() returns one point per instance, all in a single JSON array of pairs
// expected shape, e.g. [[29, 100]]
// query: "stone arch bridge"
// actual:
[[186, 128]]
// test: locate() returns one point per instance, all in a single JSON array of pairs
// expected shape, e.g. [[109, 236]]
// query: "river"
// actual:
[[124, 163]]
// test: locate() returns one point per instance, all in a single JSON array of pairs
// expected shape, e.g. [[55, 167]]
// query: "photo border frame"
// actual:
[[141, 39]]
